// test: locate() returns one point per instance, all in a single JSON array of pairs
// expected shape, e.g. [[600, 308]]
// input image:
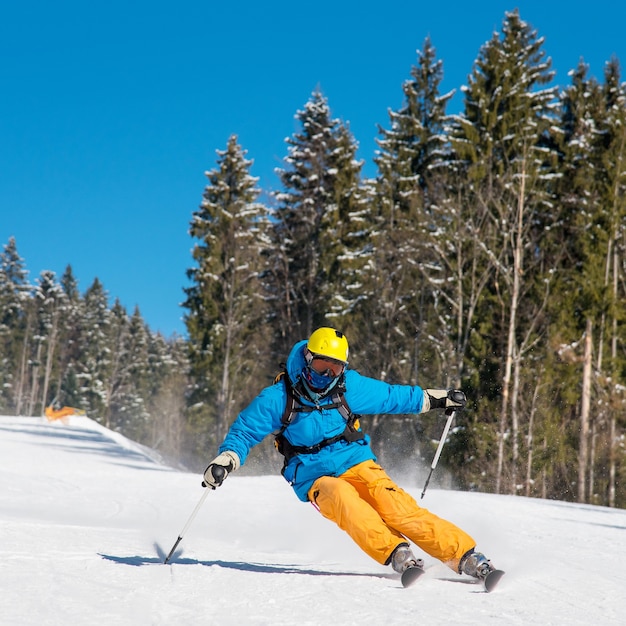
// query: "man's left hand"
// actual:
[[443, 399]]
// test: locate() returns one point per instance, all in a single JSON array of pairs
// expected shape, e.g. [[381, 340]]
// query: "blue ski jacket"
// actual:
[[365, 396]]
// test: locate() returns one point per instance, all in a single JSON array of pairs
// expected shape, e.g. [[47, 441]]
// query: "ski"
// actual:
[[410, 575], [413, 573], [492, 579]]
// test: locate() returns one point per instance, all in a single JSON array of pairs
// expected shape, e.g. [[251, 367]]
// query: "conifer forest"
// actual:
[[488, 252]]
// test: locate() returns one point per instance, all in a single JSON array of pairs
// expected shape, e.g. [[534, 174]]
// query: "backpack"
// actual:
[[351, 432]]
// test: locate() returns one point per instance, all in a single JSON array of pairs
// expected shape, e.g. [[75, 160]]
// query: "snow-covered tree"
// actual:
[[15, 322], [320, 233], [51, 303], [224, 302], [70, 345], [95, 363], [412, 149], [502, 147], [128, 385], [403, 271]]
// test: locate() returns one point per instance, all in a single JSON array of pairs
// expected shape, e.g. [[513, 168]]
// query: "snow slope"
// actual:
[[87, 516]]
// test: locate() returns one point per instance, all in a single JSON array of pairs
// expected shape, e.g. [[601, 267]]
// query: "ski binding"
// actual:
[[410, 575], [492, 579]]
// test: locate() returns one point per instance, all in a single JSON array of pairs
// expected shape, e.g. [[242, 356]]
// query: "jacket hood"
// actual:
[[296, 361]]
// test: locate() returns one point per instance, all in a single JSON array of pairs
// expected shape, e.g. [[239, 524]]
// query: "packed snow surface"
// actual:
[[87, 517]]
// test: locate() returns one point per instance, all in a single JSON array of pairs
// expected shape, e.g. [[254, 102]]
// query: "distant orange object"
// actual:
[[58, 414]]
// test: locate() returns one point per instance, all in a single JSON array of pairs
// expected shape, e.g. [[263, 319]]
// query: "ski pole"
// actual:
[[184, 530], [444, 435]]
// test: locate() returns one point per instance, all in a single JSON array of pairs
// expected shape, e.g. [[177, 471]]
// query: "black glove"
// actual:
[[448, 399], [219, 468]]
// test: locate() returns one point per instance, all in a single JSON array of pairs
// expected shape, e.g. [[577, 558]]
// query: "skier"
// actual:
[[328, 459]]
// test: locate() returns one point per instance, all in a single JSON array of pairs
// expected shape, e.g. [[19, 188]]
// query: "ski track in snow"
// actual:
[[87, 517]]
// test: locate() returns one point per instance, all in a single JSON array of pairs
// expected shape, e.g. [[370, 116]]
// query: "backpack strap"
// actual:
[[292, 405], [351, 432]]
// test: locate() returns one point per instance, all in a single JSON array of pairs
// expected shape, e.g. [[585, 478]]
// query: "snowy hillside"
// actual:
[[87, 516]]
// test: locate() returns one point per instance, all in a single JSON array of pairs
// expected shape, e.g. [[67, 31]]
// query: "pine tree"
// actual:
[[225, 310], [502, 144], [15, 320], [398, 322], [577, 193], [66, 386], [117, 378], [612, 339], [128, 386], [94, 368], [585, 312], [404, 271], [414, 144], [52, 304], [320, 228], [346, 246]]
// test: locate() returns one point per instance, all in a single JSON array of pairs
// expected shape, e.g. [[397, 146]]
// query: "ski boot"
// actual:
[[475, 564], [404, 562], [402, 558]]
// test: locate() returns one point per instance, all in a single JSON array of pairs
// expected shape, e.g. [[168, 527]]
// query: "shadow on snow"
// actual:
[[258, 568]]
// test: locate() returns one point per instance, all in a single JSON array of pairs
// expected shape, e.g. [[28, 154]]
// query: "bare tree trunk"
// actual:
[[593, 436], [583, 447], [223, 394], [223, 408], [504, 406], [544, 485], [612, 459], [114, 381], [21, 378], [515, 423], [35, 378], [612, 417], [52, 339], [518, 252], [529, 458]]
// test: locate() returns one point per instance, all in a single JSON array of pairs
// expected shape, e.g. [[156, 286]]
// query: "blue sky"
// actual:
[[111, 112]]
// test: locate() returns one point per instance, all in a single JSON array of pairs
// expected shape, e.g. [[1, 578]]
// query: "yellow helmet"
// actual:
[[330, 343]]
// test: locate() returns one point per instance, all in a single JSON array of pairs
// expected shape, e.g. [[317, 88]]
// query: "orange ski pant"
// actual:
[[379, 516]]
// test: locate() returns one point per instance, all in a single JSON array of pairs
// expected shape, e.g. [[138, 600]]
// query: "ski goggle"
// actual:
[[325, 366]]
